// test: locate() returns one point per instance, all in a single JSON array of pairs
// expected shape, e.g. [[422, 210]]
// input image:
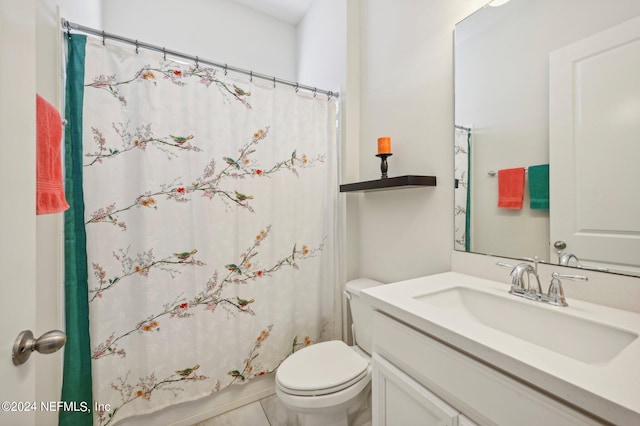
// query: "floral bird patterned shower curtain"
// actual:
[[462, 165], [208, 204]]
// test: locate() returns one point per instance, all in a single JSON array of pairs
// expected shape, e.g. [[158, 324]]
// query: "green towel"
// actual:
[[539, 187]]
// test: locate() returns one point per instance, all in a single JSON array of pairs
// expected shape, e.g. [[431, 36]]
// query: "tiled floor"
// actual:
[[266, 412], [270, 412]]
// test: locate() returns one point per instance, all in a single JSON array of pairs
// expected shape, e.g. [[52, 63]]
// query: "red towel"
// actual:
[[510, 188], [49, 187]]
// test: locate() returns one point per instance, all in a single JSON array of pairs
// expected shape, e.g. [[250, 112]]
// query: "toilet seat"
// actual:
[[321, 369]]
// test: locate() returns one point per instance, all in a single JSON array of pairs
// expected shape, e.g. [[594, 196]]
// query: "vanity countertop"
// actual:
[[609, 389]]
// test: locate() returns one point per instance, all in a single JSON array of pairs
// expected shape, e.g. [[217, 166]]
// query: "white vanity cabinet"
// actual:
[[418, 380]]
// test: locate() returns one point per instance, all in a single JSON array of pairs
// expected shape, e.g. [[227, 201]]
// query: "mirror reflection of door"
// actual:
[[594, 139], [502, 92]]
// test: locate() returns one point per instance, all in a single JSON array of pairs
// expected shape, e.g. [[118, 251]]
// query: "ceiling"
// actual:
[[290, 11]]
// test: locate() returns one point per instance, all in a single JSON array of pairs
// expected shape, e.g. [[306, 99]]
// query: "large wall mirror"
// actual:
[[551, 87]]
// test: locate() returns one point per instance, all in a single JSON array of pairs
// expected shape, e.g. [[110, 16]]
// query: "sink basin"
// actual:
[[581, 339]]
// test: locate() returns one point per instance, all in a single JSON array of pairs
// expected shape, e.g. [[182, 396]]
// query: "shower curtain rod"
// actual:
[[467, 129], [70, 25]]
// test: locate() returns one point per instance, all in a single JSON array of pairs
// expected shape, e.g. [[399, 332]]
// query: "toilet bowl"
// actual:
[[326, 382]]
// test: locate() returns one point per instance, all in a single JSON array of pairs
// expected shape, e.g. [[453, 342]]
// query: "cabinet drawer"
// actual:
[[480, 392]]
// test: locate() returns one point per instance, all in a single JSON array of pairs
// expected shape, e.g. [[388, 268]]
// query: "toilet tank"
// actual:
[[361, 312]]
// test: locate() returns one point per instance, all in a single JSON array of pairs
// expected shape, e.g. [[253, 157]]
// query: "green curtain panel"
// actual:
[[76, 383], [467, 232]]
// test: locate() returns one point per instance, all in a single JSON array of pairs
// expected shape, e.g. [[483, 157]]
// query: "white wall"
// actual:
[[321, 45], [406, 83], [218, 30], [85, 12], [350, 143], [322, 62]]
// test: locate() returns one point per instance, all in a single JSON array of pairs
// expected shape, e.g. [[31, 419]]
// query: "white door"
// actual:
[[35, 381], [17, 203], [594, 147], [399, 400]]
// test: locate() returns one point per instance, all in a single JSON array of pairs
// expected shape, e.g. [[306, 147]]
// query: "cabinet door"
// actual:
[[398, 400]]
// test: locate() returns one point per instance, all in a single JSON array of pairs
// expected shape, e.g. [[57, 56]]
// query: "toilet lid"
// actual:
[[321, 368]]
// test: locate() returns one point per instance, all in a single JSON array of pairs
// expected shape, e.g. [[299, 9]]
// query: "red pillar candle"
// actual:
[[384, 145]]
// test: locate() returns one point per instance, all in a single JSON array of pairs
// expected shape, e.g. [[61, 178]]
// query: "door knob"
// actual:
[[560, 245], [48, 343]]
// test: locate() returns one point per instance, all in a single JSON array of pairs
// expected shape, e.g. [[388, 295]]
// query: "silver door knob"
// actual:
[[46, 344]]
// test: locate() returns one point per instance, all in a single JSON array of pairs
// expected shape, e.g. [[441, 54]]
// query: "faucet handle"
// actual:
[[504, 265], [593, 268], [535, 260], [573, 277], [555, 295]]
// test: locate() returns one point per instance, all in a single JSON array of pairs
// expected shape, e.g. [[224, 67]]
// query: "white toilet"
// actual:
[[327, 381]]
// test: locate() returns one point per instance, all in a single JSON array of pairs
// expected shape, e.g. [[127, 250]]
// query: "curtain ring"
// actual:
[[225, 69], [315, 92], [197, 62], [329, 95], [251, 76], [164, 53], [297, 87], [274, 82], [68, 29], [136, 47], [104, 37]]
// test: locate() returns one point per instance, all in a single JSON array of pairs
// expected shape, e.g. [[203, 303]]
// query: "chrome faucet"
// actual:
[[533, 290], [520, 287], [517, 278], [565, 258]]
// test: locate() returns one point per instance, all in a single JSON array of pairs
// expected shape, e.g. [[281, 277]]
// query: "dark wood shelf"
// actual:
[[407, 181]]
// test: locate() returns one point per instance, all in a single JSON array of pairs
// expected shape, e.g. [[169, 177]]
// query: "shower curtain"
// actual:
[[462, 169], [206, 208]]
